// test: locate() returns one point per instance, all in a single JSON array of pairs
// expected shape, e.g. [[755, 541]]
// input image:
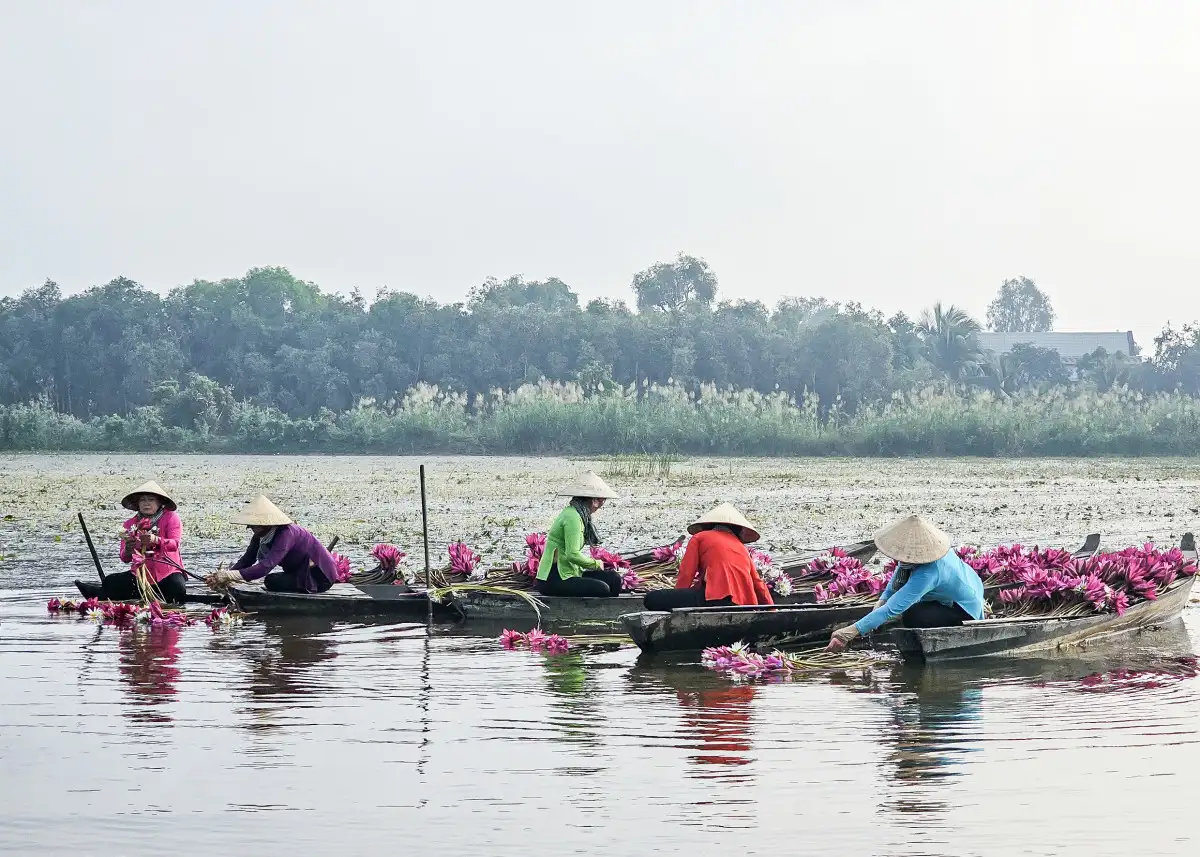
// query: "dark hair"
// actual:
[[582, 501]]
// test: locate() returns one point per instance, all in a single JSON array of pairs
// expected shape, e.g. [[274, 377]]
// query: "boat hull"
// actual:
[[499, 606], [1015, 637], [341, 600], [699, 628]]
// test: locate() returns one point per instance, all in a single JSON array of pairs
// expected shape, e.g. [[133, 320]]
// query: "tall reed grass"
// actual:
[[654, 423]]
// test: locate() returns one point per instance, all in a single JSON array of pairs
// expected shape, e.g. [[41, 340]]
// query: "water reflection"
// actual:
[[288, 665], [718, 727], [580, 718], [935, 723], [147, 665]]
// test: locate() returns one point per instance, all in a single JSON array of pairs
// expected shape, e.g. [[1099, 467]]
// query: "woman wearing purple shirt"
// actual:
[[304, 563]]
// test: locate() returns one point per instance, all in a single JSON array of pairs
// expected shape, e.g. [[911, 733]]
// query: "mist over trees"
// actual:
[[282, 344]]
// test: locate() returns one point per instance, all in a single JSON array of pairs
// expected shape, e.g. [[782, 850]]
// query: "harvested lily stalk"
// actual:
[[443, 594]]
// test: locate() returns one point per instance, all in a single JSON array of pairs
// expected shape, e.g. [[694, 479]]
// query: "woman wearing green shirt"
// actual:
[[565, 569]]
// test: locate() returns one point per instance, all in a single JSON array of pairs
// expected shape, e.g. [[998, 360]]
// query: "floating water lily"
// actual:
[[223, 617], [536, 641], [120, 614], [739, 662]]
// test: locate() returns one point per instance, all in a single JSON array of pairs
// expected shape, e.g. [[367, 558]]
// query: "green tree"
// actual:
[[1020, 307], [671, 286], [951, 341]]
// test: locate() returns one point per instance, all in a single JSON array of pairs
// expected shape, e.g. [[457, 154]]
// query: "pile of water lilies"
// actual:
[[464, 561], [739, 662], [777, 580], [848, 578], [125, 615], [1105, 583], [535, 641]]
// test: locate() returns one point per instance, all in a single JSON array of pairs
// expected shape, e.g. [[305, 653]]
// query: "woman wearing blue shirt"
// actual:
[[931, 587]]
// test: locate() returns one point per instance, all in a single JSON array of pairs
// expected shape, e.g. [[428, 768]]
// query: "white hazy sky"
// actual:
[[892, 153]]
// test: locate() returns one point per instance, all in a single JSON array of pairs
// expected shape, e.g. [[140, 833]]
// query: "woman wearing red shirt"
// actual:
[[716, 568]]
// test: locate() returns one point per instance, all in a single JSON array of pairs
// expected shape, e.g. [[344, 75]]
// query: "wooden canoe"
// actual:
[[700, 627], [1005, 637], [342, 599], [481, 604]]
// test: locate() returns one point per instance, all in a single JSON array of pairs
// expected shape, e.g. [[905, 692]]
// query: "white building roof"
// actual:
[[1068, 345]]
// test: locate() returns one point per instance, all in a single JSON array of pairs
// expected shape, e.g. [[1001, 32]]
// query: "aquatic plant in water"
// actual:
[[223, 617], [535, 641], [121, 614], [740, 662]]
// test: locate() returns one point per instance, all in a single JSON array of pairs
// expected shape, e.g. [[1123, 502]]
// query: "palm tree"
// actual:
[[951, 342]]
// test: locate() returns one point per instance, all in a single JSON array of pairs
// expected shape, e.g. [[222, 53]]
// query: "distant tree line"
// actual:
[[281, 344]]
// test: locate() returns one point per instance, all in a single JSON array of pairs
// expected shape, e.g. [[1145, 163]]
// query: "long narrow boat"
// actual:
[[1003, 637], [342, 599], [481, 604], [700, 627]]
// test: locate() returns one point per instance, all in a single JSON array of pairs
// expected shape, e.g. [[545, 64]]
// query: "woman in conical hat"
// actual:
[[565, 570], [931, 587], [716, 567], [150, 539], [305, 565]]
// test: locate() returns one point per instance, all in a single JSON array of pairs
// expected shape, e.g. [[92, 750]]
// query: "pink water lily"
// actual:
[[535, 641], [341, 567], [463, 560], [667, 553], [388, 556], [611, 561]]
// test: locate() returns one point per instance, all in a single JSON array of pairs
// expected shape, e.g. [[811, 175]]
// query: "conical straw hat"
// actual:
[[588, 485], [129, 501], [725, 514], [261, 512], [913, 540]]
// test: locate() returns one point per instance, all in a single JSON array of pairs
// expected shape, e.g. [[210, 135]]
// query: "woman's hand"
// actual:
[[841, 638], [223, 579]]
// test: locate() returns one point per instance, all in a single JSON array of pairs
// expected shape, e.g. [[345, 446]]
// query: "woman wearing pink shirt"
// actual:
[[152, 537]]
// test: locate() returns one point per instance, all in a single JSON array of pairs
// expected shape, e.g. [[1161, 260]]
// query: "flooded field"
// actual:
[[315, 737]]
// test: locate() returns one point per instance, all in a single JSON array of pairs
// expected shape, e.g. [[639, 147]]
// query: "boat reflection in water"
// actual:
[[287, 666]]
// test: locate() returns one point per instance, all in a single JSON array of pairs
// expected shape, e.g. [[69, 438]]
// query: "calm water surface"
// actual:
[[314, 737]]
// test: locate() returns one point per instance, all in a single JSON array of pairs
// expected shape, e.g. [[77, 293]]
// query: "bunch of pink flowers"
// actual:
[[120, 613], [851, 577], [611, 561], [740, 663], [535, 546], [777, 580], [536, 641], [388, 556], [824, 565], [668, 553], [463, 560], [341, 567]]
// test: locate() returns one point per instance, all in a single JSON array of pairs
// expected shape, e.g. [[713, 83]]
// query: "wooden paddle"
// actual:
[[91, 547]]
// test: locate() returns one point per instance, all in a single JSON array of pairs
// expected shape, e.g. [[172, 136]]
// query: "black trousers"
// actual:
[[285, 581], [668, 599], [593, 584], [122, 586], [931, 614]]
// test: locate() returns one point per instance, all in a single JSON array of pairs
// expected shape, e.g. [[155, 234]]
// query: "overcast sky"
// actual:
[[891, 153]]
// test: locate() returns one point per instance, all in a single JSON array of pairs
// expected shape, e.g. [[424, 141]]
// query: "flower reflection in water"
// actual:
[[149, 671]]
